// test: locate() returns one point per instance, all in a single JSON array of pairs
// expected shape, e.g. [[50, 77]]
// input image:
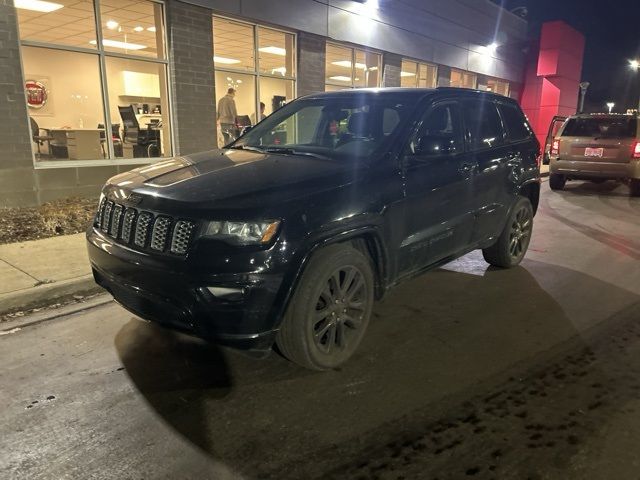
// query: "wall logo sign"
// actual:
[[36, 94]]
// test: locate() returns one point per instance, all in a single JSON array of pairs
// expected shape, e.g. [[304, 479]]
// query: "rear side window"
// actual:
[[623, 127], [515, 123], [482, 123]]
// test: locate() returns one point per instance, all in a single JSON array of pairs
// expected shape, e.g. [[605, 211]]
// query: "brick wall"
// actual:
[[391, 68], [311, 63], [191, 71], [16, 164]]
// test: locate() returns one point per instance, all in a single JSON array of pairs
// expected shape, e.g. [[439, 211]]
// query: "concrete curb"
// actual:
[[46, 294], [11, 326]]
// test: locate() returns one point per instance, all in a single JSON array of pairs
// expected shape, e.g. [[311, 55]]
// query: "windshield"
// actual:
[[603, 127], [342, 127]]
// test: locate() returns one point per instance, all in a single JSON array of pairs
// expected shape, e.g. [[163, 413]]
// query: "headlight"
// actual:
[[243, 233]]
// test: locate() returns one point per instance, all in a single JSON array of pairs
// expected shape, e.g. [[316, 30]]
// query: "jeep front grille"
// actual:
[[145, 230]]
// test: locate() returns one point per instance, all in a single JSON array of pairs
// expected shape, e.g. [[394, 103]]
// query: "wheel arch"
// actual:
[[531, 190]]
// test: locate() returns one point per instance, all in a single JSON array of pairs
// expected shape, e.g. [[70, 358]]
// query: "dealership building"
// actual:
[[90, 88]]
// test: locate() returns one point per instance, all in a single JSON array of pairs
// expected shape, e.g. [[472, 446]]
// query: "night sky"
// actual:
[[612, 32]]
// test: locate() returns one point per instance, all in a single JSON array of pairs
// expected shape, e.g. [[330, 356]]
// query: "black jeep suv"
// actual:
[[288, 234]]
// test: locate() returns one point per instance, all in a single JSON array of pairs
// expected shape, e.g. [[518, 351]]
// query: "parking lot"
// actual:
[[467, 371]]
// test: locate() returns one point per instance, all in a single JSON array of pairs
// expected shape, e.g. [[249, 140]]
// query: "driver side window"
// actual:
[[440, 132]]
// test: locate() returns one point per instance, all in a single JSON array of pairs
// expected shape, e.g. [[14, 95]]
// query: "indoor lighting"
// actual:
[[151, 29], [37, 5], [112, 24], [123, 45], [273, 50], [138, 29], [407, 74], [341, 78], [347, 64], [281, 70], [227, 61]]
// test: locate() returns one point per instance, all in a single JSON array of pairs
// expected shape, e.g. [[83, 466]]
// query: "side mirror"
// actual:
[[434, 145]]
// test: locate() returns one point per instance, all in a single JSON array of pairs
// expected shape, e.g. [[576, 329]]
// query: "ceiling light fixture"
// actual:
[[226, 61], [37, 5], [407, 74], [138, 29], [340, 78], [123, 45], [111, 24], [273, 50], [151, 29], [347, 64]]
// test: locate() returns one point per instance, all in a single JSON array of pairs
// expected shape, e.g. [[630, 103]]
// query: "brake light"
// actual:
[[555, 147], [636, 150]]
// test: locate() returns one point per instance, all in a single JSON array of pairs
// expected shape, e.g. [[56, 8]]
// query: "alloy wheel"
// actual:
[[520, 233], [340, 309]]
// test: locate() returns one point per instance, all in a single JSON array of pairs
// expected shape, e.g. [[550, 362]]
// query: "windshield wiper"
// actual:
[[247, 147], [291, 151]]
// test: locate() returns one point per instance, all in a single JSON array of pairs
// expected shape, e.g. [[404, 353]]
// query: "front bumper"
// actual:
[[580, 169], [174, 293]]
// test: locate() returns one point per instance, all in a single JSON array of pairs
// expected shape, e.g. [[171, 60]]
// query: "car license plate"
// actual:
[[593, 152]]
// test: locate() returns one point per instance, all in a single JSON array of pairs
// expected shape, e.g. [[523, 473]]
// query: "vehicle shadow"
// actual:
[[440, 334], [610, 188]]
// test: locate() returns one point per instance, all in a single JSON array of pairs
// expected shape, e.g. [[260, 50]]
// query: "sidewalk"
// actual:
[[38, 271]]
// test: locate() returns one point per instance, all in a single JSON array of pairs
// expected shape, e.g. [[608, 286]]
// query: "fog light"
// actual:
[[226, 293]]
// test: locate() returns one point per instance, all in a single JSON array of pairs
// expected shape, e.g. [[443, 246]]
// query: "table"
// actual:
[[82, 144]]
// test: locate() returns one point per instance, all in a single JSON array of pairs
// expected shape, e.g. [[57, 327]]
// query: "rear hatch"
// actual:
[[596, 139]]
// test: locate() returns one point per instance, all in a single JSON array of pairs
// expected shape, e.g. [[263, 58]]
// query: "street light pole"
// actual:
[[583, 93], [635, 65]]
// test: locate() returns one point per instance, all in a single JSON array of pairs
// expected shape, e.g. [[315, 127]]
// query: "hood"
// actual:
[[232, 179]]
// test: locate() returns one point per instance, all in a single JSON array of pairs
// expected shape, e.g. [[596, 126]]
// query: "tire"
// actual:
[[634, 187], [556, 181], [598, 181], [330, 309], [512, 244]]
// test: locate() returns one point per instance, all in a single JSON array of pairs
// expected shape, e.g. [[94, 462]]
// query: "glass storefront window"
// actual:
[[262, 72], [67, 89], [409, 74], [338, 69], [69, 116], [427, 75], [244, 85], [276, 53], [132, 27], [498, 86], [274, 93], [348, 68], [367, 69], [462, 79], [63, 22], [233, 45], [138, 106]]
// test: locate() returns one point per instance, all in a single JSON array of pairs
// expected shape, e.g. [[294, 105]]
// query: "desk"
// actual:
[[82, 144]]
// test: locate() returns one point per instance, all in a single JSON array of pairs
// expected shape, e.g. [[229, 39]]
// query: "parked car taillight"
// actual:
[[555, 147], [636, 150]]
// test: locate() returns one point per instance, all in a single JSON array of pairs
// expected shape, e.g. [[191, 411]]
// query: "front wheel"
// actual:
[[512, 244], [556, 181], [330, 309]]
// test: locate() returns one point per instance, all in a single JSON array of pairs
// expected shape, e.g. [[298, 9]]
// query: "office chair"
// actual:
[[115, 136], [145, 141], [38, 138]]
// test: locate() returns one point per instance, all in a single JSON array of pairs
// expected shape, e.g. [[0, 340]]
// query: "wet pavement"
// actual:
[[465, 372]]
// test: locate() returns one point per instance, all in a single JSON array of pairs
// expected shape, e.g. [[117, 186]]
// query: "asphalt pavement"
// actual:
[[465, 372]]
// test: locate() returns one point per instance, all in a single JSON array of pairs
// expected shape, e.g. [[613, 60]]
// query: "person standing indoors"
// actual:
[[262, 115], [227, 114]]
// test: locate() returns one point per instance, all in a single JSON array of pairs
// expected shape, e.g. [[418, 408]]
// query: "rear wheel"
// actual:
[[330, 309], [556, 181], [634, 187], [512, 244]]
